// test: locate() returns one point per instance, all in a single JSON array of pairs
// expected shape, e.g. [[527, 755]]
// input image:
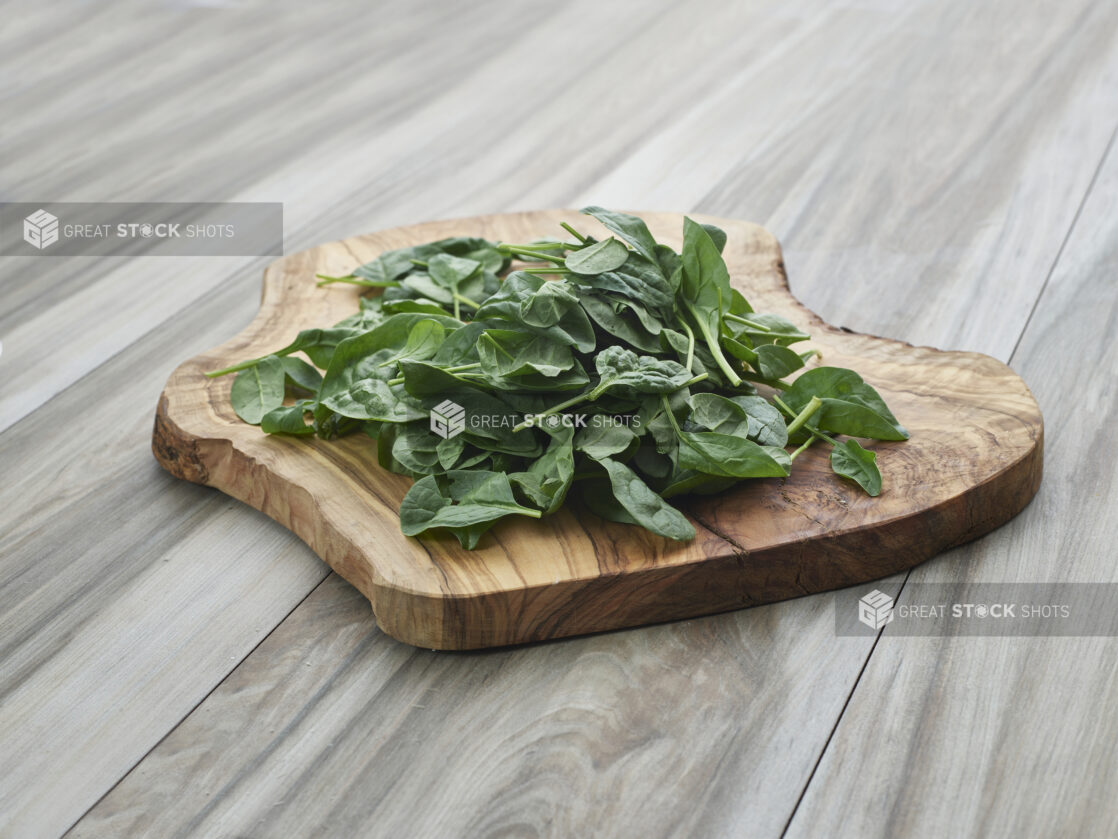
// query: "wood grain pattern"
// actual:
[[973, 463], [1033, 718], [347, 94], [921, 162], [861, 149], [125, 594], [703, 727]]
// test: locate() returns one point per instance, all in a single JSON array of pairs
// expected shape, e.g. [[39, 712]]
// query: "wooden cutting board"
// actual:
[[972, 463]]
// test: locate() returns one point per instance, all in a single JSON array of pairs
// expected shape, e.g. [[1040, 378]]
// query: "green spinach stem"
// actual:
[[690, 345], [352, 280], [244, 365], [591, 395], [582, 397], [813, 405], [537, 256], [716, 349], [532, 246], [461, 368], [807, 443], [760, 327], [761, 380], [671, 414], [573, 232], [818, 435], [458, 298]]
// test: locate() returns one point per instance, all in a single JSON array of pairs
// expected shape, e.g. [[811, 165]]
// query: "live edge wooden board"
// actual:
[[972, 463]]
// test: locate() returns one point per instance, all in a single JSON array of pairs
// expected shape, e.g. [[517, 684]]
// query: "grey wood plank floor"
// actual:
[[172, 663], [1033, 716]]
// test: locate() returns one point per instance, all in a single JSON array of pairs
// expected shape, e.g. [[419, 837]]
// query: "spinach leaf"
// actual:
[[300, 374], [597, 258], [369, 399], [671, 266], [645, 506], [604, 439], [459, 348], [717, 235], [423, 341], [419, 304], [597, 496], [705, 291], [610, 315], [630, 228], [637, 280], [623, 371], [850, 406], [289, 419], [352, 388], [318, 344], [258, 390], [766, 425], [416, 449], [547, 306], [733, 457], [690, 482], [450, 450], [669, 412], [512, 352], [720, 413], [850, 460], [451, 272], [547, 479], [516, 297], [467, 504], [370, 313], [775, 361], [392, 265], [762, 328]]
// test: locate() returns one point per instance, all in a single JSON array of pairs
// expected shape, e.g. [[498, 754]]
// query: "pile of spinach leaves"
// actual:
[[614, 369]]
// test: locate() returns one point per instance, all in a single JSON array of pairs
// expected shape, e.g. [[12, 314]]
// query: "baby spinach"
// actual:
[[631, 229], [775, 361], [850, 406], [725, 455], [729, 456], [301, 375], [611, 316], [597, 258], [423, 341], [289, 419], [548, 478], [466, 502], [644, 506], [258, 390], [512, 352], [450, 272], [850, 460], [622, 369], [705, 291], [613, 369], [605, 440]]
